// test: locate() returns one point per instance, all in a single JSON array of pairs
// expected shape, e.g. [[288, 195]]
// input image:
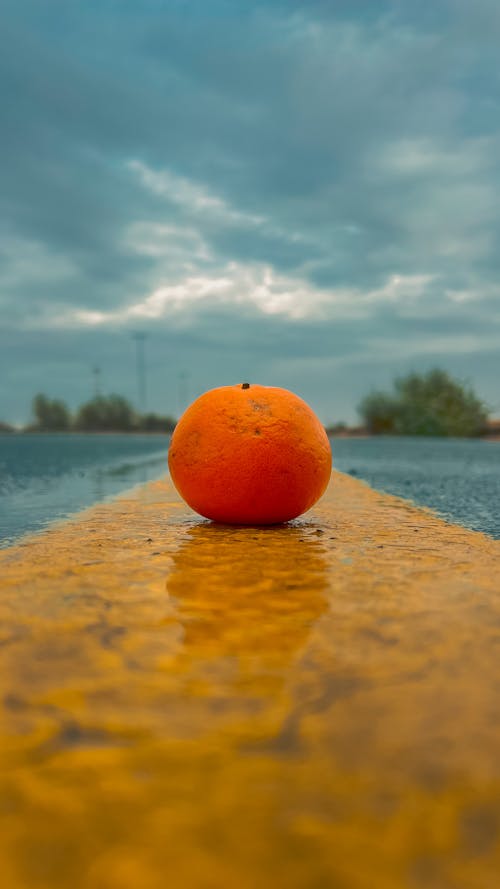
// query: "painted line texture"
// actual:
[[305, 706]]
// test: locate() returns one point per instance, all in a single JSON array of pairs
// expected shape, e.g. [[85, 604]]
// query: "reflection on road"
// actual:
[[246, 599]]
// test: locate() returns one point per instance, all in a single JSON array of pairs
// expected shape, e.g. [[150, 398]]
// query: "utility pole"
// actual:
[[140, 356]]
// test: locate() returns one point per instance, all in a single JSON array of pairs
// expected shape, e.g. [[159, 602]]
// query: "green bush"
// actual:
[[50, 415], [155, 423], [106, 413], [425, 404]]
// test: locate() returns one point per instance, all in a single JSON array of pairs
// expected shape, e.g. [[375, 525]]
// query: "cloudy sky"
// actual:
[[302, 194]]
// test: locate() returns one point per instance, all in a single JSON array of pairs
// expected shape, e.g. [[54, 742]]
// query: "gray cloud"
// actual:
[[277, 190]]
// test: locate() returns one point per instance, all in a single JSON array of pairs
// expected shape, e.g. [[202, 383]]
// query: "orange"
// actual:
[[250, 454]]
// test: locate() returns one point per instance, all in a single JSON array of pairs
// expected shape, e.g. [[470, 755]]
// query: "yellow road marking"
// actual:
[[307, 706]]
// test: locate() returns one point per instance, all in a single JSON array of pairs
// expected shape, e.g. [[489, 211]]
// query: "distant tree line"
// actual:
[[425, 404], [432, 404], [104, 413]]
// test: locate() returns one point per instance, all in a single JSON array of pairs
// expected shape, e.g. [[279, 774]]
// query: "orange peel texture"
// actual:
[[250, 454]]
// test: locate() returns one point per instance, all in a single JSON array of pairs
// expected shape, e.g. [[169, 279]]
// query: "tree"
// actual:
[[111, 413], [50, 415], [155, 423], [379, 413], [336, 428], [425, 404]]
